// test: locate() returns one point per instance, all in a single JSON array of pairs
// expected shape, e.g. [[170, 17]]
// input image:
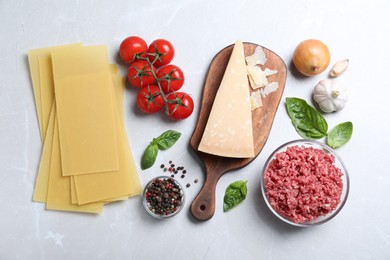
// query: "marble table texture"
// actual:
[[357, 30]]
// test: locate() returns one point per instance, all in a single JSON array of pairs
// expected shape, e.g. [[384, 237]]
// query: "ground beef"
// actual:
[[303, 183]]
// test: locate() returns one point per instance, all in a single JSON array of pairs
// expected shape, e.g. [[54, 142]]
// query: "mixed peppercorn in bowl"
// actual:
[[163, 197], [305, 183]]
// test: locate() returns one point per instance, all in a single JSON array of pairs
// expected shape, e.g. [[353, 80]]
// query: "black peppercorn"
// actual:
[[163, 196]]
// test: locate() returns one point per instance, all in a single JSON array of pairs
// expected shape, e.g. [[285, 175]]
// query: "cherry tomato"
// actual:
[[180, 105], [132, 48], [149, 99], [171, 78], [140, 74], [160, 52]]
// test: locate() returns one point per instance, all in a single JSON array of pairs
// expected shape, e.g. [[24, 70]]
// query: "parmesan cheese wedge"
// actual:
[[228, 130]]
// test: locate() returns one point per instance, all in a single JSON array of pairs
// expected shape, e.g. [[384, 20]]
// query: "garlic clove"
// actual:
[[339, 67]]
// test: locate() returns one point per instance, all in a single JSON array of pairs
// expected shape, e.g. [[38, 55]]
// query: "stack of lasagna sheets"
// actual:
[[86, 160]]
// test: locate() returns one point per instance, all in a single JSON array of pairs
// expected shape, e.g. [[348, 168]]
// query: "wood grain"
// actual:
[[203, 206]]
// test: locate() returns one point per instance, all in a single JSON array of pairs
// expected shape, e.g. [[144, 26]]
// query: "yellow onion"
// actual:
[[311, 57]]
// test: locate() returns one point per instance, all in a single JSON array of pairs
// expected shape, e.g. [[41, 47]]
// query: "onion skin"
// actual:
[[311, 57]]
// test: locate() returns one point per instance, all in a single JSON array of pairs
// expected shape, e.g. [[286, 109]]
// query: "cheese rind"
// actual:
[[228, 130]]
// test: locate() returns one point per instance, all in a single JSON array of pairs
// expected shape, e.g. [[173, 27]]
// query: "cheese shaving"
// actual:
[[269, 88], [256, 101], [269, 72], [257, 77], [258, 57]]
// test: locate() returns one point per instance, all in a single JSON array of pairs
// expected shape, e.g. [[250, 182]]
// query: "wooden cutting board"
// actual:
[[203, 206]]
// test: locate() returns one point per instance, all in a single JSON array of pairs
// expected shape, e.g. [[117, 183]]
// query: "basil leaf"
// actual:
[[308, 122], [235, 193], [340, 134], [167, 139], [149, 156]]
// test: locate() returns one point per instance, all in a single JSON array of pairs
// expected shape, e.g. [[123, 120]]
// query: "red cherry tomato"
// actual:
[[140, 74], [160, 52], [149, 99], [171, 78], [180, 105], [132, 48]]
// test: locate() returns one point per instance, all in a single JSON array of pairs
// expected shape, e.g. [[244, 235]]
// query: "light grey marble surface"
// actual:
[[357, 30]]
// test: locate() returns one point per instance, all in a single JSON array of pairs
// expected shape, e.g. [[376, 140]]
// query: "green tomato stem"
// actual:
[[159, 86]]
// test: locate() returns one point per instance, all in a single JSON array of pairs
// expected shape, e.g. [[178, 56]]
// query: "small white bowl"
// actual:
[[337, 162]]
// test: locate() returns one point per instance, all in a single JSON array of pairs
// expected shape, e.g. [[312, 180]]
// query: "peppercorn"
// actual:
[[163, 196]]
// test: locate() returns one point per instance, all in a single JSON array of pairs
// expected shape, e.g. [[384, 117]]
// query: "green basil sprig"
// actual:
[[235, 193], [163, 142], [308, 122], [339, 135], [149, 156], [167, 139]]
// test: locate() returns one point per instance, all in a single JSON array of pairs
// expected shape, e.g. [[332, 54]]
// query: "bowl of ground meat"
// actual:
[[305, 183]]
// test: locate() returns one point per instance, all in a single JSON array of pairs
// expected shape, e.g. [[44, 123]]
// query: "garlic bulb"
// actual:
[[330, 95]]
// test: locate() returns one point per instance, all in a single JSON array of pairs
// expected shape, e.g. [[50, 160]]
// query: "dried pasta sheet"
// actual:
[[33, 60], [47, 89], [42, 180], [58, 193], [125, 182], [85, 110]]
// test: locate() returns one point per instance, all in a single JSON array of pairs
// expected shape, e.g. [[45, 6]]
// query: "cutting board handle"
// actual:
[[203, 206]]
